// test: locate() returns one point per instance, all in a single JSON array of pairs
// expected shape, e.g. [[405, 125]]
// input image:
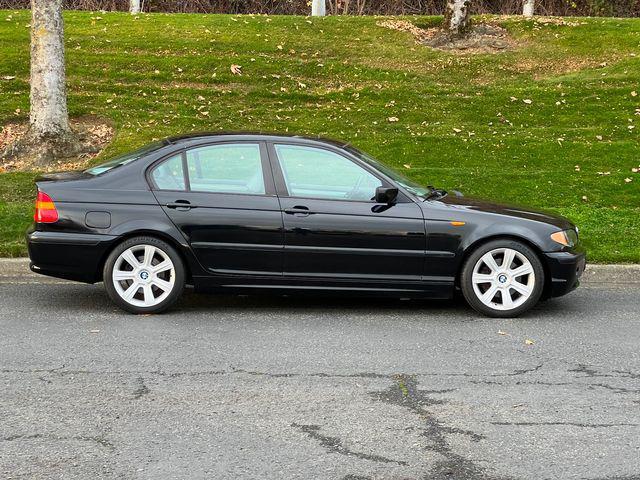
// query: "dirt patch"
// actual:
[[94, 134], [483, 37]]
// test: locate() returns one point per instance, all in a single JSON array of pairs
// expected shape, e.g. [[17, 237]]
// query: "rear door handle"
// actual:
[[180, 205], [298, 210]]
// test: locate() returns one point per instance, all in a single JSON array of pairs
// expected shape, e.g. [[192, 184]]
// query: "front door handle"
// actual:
[[182, 205], [298, 211]]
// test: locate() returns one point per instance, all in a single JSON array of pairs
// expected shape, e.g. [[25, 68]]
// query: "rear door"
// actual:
[[222, 197], [334, 229]]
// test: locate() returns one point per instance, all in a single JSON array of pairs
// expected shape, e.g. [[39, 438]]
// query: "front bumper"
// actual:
[[566, 269], [72, 256]]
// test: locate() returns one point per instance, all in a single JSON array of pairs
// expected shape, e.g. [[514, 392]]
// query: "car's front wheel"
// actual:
[[144, 275], [502, 278]]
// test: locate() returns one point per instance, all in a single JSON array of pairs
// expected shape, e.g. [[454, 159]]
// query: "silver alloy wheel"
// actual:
[[503, 279], [143, 275]]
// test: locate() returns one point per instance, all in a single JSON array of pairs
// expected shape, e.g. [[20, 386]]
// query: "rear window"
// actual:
[[124, 159]]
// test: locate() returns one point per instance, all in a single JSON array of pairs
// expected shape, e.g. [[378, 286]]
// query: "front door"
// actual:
[[333, 227], [222, 198]]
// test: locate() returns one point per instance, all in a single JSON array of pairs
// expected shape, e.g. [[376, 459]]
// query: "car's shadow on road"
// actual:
[[456, 307], [81, 298]]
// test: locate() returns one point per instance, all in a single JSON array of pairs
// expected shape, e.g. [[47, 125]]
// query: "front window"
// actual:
[[400, 179], [317, 173]]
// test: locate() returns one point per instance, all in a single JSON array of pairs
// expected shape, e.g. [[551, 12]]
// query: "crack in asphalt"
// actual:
[[404, 392], [335, 445], [569, 424], [98, 440], [141, 389], [232, 371]]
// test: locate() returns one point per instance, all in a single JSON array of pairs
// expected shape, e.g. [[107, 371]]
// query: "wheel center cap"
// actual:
[[503, 278], [144, 275]]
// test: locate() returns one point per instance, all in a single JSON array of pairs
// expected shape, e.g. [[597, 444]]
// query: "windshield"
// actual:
[[400, 179], [124, 159]]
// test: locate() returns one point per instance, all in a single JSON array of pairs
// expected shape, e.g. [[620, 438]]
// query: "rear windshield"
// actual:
[[124, 159]]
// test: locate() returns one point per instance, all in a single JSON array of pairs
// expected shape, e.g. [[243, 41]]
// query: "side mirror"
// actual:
[[386, 195]]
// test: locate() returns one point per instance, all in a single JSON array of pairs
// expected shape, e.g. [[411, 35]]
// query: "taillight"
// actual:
[[45, 209]]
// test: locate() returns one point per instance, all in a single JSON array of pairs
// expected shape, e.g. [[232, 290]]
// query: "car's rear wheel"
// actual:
[[144, 275], [502, 278]]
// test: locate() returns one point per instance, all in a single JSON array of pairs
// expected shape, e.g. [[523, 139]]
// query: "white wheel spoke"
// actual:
[[521, 288], [507, 301], [162, 266], [130, 258], [489, 294], [149, 299], [149, 251], [521, 270], [482, 278], [121, 275], [490, 262], [509, 255], [131, 291], [162, 284]]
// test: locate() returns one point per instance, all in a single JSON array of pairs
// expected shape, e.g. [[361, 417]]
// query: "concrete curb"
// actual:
[[17, 268]]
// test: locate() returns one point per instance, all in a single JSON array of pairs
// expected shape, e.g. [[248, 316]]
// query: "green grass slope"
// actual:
[[462, 121]]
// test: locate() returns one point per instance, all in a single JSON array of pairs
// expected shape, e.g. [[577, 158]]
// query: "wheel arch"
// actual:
[[506, 236], [165, 237]]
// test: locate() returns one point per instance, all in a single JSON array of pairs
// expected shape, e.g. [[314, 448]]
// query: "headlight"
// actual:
[[568, 238]]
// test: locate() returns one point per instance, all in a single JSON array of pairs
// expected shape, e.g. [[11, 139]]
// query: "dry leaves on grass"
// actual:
[[93, 132], [483, 38]]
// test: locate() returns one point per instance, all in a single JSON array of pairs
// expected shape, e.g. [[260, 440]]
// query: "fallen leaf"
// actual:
[[527, 101], [8, 77], [529, 342], [634, 94], [236, 69], [500, 332], [406, 165], [393, 119], [457, 130], [628, 180]]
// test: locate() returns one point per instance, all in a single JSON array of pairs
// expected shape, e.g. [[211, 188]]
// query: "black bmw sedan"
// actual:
[[249, 213]]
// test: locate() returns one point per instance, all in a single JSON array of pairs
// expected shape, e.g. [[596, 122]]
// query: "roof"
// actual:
[[190, 137]]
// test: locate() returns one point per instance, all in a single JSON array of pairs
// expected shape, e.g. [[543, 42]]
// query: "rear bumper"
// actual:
[[566, 269], [72, 256]]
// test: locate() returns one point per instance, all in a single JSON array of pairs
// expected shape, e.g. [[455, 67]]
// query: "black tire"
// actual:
[[178, 267], [467, 273]]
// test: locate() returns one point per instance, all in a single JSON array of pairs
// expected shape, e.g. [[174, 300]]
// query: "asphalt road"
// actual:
[[277, 388]]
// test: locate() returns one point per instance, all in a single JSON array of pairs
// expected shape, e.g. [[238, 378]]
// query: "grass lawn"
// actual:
[[462, 120]]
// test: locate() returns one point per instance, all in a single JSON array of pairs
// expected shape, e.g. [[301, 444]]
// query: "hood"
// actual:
[[525, 213]]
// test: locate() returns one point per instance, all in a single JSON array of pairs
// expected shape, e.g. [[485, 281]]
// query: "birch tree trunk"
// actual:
[[456, 17], [318, 8], [528, 8], [134, 7], [48, 115]]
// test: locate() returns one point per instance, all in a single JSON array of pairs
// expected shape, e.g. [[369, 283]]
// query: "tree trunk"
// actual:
[[134, 7], [456, 17], [48, 117], [318, 8], [528, 8]]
